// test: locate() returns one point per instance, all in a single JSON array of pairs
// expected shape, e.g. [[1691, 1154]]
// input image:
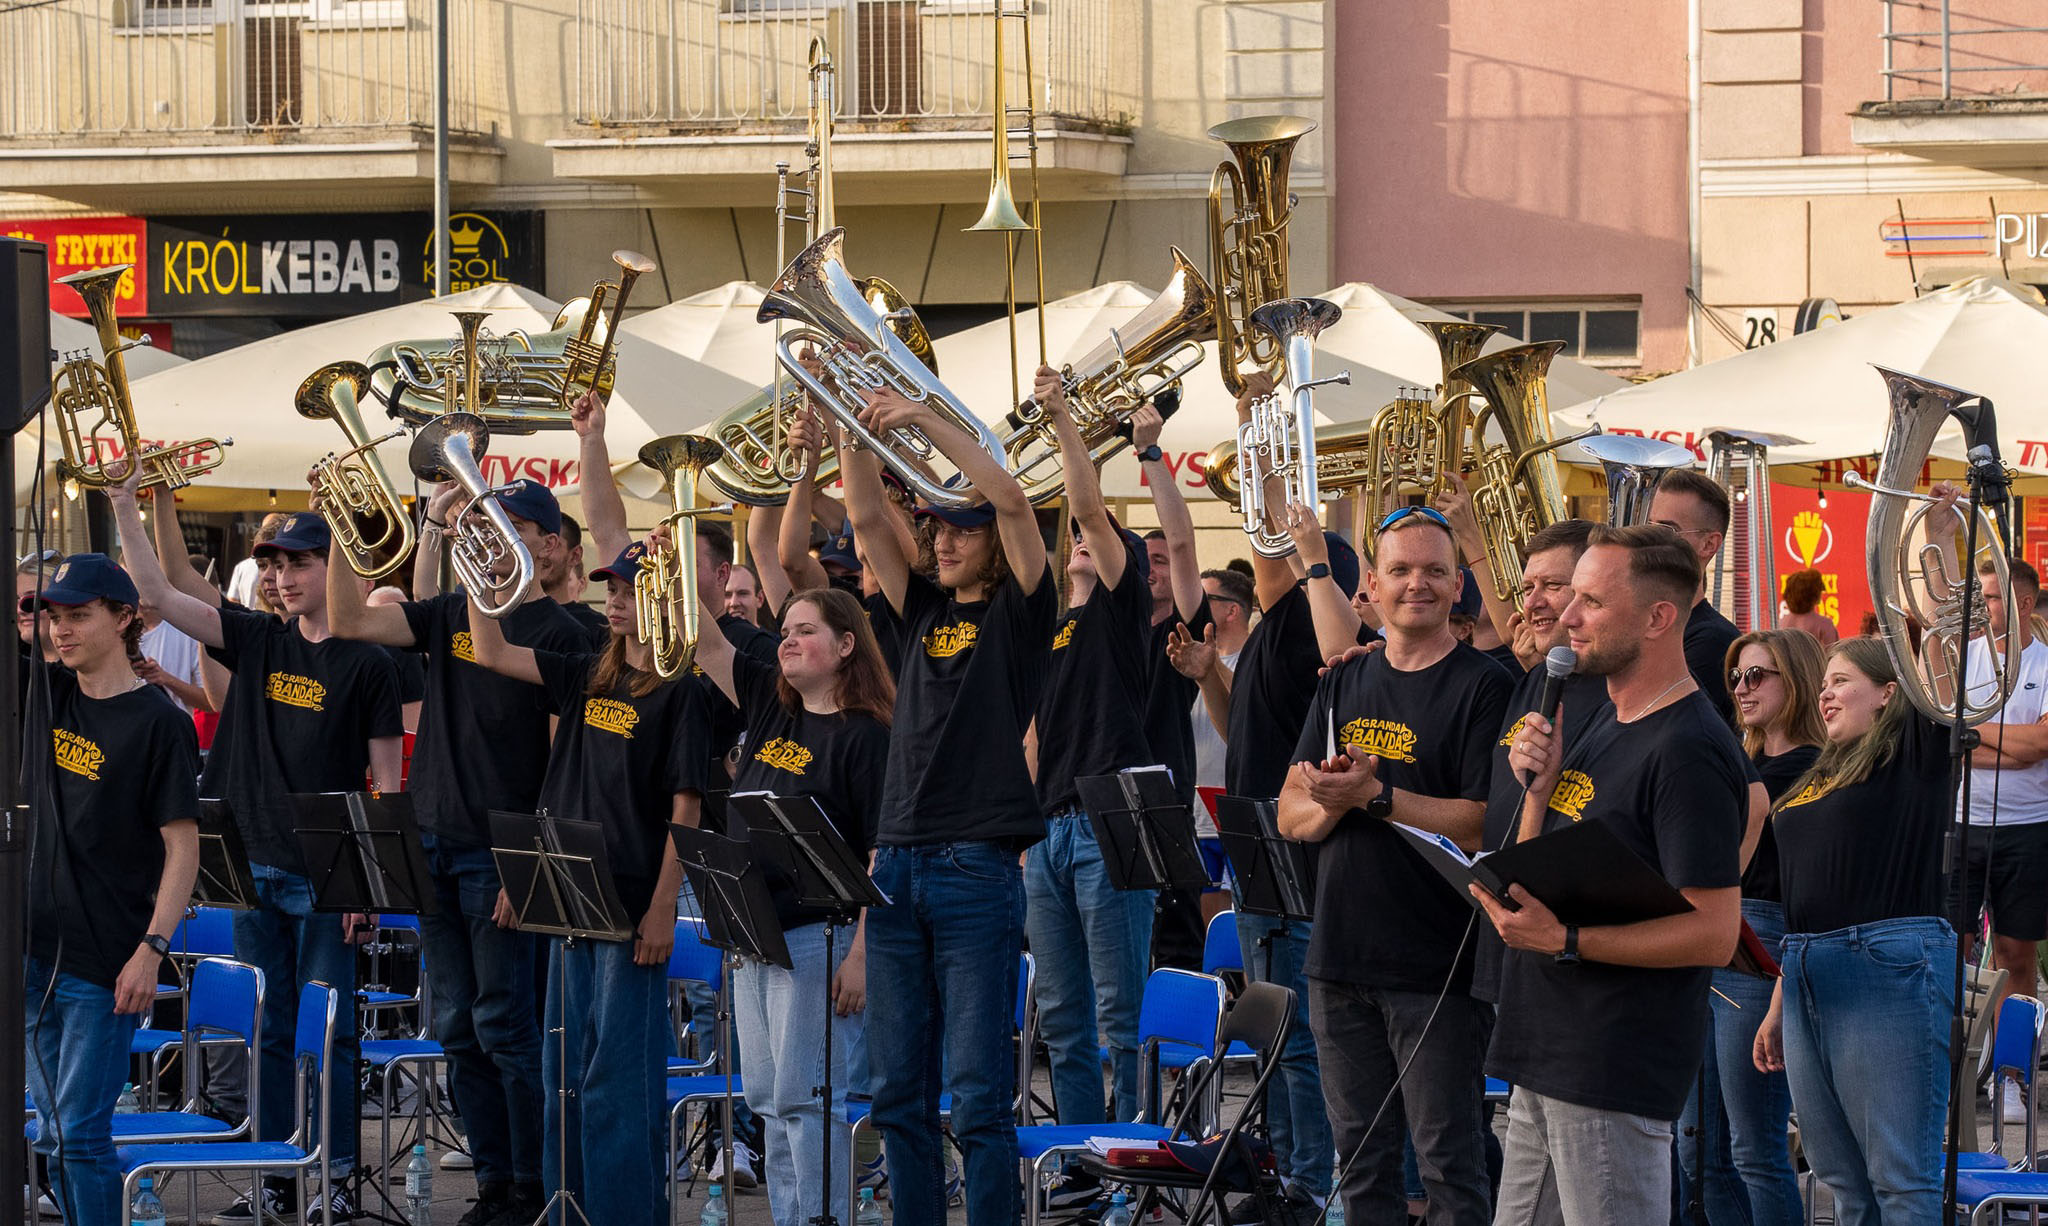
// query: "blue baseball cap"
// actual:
[[83, 578], [1343, 561], [978, 515], [839, 552], [626, 567], [303, 532], [529, 500]]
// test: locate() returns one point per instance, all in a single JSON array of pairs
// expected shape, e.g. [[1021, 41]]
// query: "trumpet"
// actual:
[[1279, 442], [1248, 238], [665, 589], [860, 354], [370, 525], [1114, 380], [1633, 466], [1952, 603], [88, 395]]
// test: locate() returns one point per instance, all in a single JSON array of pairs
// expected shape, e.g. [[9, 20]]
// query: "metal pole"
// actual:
[[1944, 51], [14, 1170], [440, 148]]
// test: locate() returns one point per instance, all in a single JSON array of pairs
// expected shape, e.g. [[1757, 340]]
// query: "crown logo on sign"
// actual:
[[466, 237]]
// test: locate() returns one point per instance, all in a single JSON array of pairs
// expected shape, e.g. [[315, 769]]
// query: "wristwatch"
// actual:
[[1381, 807], [1151, 453], [161, 945], [1569, 956], [1320, 570]]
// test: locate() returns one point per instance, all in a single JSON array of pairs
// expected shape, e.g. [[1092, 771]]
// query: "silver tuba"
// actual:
[[1633, 466], [1280, 439], [1899, 570], [860, 353], [447, 449]]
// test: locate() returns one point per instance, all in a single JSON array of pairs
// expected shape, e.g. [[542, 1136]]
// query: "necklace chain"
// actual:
[[1659, 698]]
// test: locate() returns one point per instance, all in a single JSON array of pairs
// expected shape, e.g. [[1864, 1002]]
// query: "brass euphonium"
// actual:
[[665, 589], [1633, 466], [1248, 237], [1419, 439], [370, 525], [1899, 570], [1112, 381], [483, 546], [1279, 442], [90, 394], [859, 353]]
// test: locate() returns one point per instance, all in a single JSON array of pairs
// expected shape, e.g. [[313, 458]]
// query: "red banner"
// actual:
[[2034, 533], [78, 244], [1828, 538]]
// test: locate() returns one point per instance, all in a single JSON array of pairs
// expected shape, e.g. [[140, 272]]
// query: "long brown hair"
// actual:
[[1841, 766], [993, 572], [1796, 656], [614, 670], [864, 681]]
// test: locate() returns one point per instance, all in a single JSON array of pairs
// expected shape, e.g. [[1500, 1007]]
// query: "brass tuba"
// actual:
[[665, 589], [1134, 363], [370, 525], [1633, 467], [1418, 439], [1899, 570], [1279, 442], [88, 395], [860, 353], [1248, 237]]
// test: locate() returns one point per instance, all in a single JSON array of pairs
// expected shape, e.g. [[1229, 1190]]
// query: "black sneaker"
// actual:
[[339, 1210], [1073, 1194], [528, 1199], [492, 1199], [279, 1205]]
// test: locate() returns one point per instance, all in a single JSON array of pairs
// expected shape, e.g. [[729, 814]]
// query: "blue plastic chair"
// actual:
[[1989, 1181], [695, 1083], [1220, 950]]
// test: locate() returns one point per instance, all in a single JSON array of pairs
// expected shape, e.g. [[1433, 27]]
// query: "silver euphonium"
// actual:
[[1633, 466], [448, 448], [1279, 442]]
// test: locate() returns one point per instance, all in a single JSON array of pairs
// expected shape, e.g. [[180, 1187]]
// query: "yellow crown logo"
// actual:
[[466, 237]]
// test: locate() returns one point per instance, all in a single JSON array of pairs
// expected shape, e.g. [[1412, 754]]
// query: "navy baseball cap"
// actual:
[[979, 515], [1343, 561], [1469, 602], [303, 532], [83, 578], [839, 552], [626, 567], [529, 500]]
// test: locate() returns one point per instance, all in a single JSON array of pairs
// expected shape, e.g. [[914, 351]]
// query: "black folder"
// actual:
[[1583, 873]]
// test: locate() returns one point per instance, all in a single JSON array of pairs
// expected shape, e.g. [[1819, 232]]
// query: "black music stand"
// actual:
[[559, 881], [794, 834], [1147, 835], [224, 879], [363, 852], [1273, 874]]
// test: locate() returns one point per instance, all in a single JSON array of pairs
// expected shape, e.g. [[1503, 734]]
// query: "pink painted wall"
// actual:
[[1526, 151], [1844, 58]]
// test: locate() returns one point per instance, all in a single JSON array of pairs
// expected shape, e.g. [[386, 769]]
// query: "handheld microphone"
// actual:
[[1557, 666]]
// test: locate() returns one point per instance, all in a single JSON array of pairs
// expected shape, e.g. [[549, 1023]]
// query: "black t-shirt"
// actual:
[[483, 737], [1384, 918], [1168, 698], [966, 689], [123, 768], [1707, 636], [619, 761], [1504, 655], [1586, 706], [1089, 713], [298, 717], [1760, 877], [1622, 1038], [838, 759], [727, 723], [1269, 698], [412, 675], [1870, 851], [591, 621]]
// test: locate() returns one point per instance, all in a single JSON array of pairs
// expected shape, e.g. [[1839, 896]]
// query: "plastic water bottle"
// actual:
[[127, 1104], [1333, 1215], [1119, 1213], [419, 1189], [146, 1209], [868, 1213], [714, 1206]]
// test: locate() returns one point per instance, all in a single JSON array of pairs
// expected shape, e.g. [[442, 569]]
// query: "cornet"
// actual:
[[1249, 208], [369, 523], [1279, 442], [665, 589]]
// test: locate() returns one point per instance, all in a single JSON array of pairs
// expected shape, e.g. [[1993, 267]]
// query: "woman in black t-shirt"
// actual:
[[630, 754], [817, 726], [1859, 1021]]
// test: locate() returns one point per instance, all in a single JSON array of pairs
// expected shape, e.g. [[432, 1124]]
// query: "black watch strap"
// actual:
[[161, 945], [1569, 956]]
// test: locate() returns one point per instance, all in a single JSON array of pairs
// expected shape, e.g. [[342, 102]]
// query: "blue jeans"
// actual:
[[1093, 944], [1866, 1052], [77, 1064], [616, 1015], [703, 1001], [1296, 1121], [293, 945], [942, 973], [482, 983], [779, 1016], [1755, 1104]]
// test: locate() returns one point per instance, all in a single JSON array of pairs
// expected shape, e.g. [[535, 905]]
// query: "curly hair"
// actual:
[[993, 572]]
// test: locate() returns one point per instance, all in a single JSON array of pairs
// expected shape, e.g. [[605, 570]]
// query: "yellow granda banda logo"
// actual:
[[464, 649], [784, 755], [610, 715], [78, 755], [947, 641], [1391, 741], [1509, 740], [1065, 636], [296, 691], [1574, 792], [1814, 790]]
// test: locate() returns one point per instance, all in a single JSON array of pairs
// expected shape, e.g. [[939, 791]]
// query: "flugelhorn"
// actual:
[[1633, 466], [1899, 569], [1279, 442], [1249, 208], [859, 354], [370, 525], [665, 589], [588, 359], [89, 394], [1134, 363]]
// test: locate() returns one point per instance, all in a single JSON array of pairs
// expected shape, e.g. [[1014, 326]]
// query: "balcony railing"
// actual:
[[1952, 50], [719, 63], [184, 70]]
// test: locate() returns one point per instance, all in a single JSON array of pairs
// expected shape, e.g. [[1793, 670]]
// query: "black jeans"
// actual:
[[1363, 1038]]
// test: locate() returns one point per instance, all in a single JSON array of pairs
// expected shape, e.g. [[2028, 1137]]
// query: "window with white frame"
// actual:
[[1601, 332]]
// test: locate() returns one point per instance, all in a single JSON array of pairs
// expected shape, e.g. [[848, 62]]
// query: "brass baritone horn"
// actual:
[[1899, 569], [587, 357], [665, 589], [88, 395], [1249, 208], [1279, 442], [1633, 467], [370, 525], [448, 448], [1418, 440]]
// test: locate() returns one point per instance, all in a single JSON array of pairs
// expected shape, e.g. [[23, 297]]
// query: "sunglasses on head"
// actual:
[[48, 557], [1752, 676], [1429, 513]]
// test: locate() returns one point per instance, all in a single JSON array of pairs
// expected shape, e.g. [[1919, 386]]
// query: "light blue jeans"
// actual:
[[616, 1015], [1297, 1123], [1093, 944], [77, 1063], [1755, 1104], [780, 1015], [1866, 1053]]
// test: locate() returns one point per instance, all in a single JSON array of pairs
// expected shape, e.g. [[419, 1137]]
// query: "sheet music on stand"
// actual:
[[557, 876], [1273, 873], [363, 852], [224, 878], [1146, 834], [739, 914], [795, 834]]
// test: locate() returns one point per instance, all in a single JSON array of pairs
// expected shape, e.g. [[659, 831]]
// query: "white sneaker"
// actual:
[[2012, 1104], [458, 1159], [746, 1166]]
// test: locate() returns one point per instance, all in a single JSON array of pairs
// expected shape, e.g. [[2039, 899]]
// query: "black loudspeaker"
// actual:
[[25, 355]]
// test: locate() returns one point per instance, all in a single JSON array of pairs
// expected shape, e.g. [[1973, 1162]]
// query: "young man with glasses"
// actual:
[[1691, 505]]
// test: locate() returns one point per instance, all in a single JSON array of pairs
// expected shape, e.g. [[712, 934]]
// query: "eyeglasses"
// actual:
[[1429, 513], [1229, 600], [945, 529], [1751, 677]]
